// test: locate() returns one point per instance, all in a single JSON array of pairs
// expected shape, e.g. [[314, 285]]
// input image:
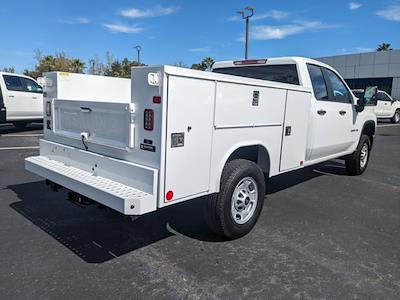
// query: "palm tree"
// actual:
[[384, 47], [76, 65], [207, 63]]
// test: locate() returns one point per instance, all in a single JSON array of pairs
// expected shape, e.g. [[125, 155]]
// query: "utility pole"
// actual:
[[138, 49], [247, 16]]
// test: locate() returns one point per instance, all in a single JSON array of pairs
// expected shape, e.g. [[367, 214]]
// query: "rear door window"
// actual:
[[31, 86], [318, 82], [279, 73], [13, 83]]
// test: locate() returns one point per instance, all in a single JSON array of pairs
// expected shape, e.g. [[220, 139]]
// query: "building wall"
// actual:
[[369, 65]]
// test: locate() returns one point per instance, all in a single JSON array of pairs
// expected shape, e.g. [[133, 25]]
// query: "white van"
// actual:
[[21, 99]]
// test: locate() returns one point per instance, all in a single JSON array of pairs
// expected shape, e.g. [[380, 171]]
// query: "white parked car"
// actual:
[[21, 99], [186, 134], [386, 108]]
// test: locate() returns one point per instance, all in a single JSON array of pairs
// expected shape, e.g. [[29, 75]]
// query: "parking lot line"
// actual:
[[388, 125], [22, 135], [20, 148]]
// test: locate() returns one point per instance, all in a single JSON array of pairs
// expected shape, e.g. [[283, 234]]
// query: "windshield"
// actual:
[[279, 73]]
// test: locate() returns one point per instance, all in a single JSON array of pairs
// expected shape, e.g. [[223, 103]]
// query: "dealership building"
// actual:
[[372, 68]]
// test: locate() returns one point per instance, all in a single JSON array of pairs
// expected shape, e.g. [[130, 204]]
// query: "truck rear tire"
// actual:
[[357, 162], [234, 211], [396, 117]]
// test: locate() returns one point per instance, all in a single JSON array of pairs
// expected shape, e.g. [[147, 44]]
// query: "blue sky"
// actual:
[[172, 31]]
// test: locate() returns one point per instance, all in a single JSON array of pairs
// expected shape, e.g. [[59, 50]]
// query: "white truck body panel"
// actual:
[[72, 86], [200, 119]]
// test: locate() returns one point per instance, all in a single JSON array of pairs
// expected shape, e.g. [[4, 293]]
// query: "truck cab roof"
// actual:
[[267, 61]]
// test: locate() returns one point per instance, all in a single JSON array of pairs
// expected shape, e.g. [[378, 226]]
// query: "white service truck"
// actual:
[[21, 99], [218, 135]]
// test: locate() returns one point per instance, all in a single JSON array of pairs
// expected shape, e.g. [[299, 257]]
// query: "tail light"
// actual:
[[148, 119], [48, 108], [156, 99]]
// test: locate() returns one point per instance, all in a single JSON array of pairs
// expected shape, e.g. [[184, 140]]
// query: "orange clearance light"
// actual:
[[169, 195], [301, 162]]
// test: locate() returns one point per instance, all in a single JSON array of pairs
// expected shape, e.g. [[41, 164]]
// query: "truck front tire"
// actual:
[[234, 211], [396, 117], [357, 162]]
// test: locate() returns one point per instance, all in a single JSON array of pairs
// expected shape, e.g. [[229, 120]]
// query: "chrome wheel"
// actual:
[[364, 155], [244, 200], [397, 117]]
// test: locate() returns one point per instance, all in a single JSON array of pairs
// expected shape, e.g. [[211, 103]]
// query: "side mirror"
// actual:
[[369, 96], [360, 105]]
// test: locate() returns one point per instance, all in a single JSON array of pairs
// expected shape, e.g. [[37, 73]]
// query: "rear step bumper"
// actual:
[[126, 187]]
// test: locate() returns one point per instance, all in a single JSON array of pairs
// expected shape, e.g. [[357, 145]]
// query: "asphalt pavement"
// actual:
[[321, 235]]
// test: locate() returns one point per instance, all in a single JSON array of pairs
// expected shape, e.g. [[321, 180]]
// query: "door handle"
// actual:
[[321, 112], [34, 97], [11, 96], [342, 112], [86, 109]]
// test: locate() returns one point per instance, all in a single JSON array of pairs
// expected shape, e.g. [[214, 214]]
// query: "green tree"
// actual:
[[58, 62], [122, 68], [8, 69], [384, 47], [205, 65]]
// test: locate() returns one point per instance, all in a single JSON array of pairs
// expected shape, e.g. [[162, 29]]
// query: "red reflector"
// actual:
[[250, 62], [156, 99], [169, 195], [148, 119]]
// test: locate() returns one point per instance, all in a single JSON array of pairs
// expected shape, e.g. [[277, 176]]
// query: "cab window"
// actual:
[[383, 97], [278, 73], [318, 82], [13, 83], [340, 93], [31, 86]]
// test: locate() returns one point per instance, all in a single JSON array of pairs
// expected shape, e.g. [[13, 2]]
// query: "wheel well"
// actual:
[[254, 153], [369, 129]]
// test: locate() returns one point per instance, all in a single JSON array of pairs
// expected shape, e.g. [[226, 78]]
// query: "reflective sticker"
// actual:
[[153, 79]]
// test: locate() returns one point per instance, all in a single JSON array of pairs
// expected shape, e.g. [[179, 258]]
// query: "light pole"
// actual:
[[247, 17], [138, 49]]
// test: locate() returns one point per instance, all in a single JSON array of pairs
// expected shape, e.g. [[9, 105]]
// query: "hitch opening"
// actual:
[[79, 199]]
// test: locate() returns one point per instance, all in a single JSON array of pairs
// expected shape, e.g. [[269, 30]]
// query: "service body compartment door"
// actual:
[[189, 135], [295, 130]]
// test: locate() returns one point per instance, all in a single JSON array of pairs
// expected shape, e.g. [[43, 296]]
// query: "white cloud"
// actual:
[[391, 13], [267, 32], [273, 14], [201, 49], [354, 5], [122, 28], [75, 21], [364, 49], [156, 11]]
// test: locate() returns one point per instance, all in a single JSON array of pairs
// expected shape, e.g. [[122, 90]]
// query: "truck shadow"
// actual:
[[10, 128], [99, 235]]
